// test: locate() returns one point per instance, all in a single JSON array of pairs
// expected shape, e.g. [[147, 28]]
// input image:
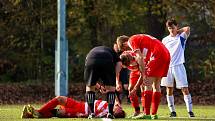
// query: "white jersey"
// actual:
[[176, 47], [100, 107]]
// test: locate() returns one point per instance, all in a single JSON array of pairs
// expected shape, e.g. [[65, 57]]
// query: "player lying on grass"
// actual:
[[70, 108]]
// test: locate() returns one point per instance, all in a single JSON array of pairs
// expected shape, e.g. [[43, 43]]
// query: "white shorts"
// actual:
[[179, 74]]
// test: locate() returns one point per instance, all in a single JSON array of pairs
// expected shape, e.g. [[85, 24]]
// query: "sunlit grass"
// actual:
[[13, 112]]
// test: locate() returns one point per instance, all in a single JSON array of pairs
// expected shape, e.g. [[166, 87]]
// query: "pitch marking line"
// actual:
[[106, 119]]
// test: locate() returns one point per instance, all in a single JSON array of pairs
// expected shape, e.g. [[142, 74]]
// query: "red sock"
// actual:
[[148, 100], [142, 100], [155, 102], [134, 101], [46, 108]]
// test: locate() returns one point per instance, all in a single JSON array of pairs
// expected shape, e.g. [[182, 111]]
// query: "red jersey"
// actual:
[[144, 43], [158, 56]]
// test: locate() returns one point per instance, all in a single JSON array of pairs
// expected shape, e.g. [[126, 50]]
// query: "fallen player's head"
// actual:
[[118, 112], [125, 58]]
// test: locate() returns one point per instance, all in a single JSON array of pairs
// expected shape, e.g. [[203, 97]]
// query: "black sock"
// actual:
[[90, 98], [137, 109], [111, 101], [126, 94], [54, 112], [118, 96]]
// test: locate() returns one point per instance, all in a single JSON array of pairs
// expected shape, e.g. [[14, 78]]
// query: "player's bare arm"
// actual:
[[137, 85], [139, 59], [118, 68], [185, 29]]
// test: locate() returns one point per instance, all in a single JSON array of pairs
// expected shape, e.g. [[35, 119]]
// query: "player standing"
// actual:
[[128, 61], [175, 43], [124, 78], [157, 67], [102, 63]]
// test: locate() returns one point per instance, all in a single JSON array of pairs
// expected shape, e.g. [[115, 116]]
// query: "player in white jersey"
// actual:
[[175, 42]]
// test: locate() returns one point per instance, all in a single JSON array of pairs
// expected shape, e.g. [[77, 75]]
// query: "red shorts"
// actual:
[[159, 64]]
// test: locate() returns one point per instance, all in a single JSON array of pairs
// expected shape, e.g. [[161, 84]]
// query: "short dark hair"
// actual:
[[171, 22], [120, 114], [125, 59]]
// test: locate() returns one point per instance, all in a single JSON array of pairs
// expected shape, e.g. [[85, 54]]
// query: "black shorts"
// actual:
[[124, 76], [96, 69]]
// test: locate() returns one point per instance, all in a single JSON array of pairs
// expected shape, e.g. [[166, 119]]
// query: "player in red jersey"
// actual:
[[157, 67], [128, 61], [70, 108]]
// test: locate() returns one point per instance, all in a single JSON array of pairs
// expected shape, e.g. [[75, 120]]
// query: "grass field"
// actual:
[[203, 113]]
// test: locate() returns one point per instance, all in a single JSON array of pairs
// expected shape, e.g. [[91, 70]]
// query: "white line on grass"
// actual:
[[106, 119]]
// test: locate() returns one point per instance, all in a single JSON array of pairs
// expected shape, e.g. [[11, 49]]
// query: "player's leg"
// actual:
[[108, 77], [110, 97], [148, 99], [188, 101], [156, 96], [171, 101], [134, 99], [168, 82], [91, 76], [70, 108], [126, 92], [142, 96], [124, 77], [182, 83], [47, 109], [147, 102]]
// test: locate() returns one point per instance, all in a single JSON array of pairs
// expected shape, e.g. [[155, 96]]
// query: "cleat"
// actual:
[[134, 114], [147, 117], [173, 114], [142, 116], [128, 100], [91, 116], [154, 116], [109, 115], [191, 114], [25, 113], [33, 111]]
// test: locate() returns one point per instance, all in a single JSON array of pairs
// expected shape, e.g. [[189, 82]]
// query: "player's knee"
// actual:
[[185, 90], [61, 99], [90, 88]]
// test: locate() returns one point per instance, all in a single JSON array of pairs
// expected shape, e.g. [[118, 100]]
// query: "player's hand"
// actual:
[[81, 115], [119, 87], [146, 82], [132, 93], [103, 90]]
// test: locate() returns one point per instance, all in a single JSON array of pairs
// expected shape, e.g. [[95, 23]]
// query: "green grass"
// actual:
[[203, 113]]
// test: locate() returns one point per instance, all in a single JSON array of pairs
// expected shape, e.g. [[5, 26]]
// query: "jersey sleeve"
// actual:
[[133, 44], [184, 35]]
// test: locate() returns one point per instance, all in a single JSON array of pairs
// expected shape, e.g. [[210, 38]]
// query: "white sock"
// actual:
[[170, 101], [188, 102]]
